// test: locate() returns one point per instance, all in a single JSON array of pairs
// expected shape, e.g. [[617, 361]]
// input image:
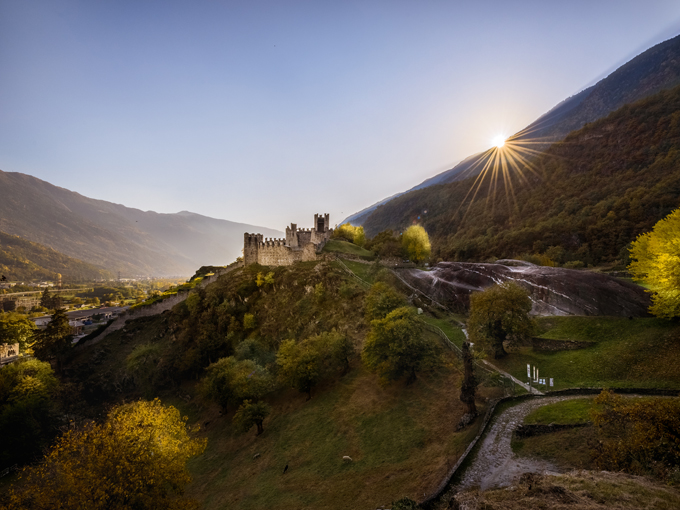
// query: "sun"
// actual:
[[499, 141]]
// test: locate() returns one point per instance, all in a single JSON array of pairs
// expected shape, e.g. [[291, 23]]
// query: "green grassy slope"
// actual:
[[25, 260], [335, 246], [625, 353], [401, 438]]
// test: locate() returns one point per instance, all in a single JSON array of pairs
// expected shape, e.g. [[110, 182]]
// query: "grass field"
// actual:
[[401, 439], [336, 246], [643, 352], [565, 412], [454, 332], [364, 271]]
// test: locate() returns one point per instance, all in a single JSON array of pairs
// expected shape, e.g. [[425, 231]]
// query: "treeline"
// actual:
[[24, 260], [583, 201]]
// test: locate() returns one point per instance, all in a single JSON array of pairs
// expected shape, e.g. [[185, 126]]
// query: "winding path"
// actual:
[[495, 465]]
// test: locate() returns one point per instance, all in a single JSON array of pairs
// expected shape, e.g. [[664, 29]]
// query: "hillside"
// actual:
[[589, 196], [23, 260], [116, 237], [401, 437], [654, 70]]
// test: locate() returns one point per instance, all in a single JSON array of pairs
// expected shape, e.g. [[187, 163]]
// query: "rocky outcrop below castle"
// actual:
[[553, 290]]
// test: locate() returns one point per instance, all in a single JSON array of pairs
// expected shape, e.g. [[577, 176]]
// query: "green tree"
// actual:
[[416, 243], [55, 340], [395, 347], [15, 328], [469, 387], [656, 260], [251, 413], [46, 299], [380, 300], [28, 405], [499, 313], [248, 321], [385, 244], [229, 381], [136, 459], [299, 365], [142, 363]]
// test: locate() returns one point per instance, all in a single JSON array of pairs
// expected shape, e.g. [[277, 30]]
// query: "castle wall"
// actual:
[[300, 245]]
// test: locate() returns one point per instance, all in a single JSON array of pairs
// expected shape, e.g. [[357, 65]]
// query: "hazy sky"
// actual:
[[266, 112]]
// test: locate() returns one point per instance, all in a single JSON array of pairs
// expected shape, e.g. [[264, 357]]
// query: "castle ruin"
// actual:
[[299, 245]]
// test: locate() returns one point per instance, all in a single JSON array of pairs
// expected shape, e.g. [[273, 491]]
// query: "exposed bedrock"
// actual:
[[553, 290]]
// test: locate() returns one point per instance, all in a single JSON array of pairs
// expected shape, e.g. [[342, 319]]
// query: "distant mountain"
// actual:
[[115, 237], [23, 260], [585, 199], [654, 70]]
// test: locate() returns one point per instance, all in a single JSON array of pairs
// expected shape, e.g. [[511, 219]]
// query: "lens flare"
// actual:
[[508, 164]]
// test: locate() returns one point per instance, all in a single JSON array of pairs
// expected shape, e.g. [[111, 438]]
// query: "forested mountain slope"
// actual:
[[23, 260], [654, 70], [116, 237], [589, 195]]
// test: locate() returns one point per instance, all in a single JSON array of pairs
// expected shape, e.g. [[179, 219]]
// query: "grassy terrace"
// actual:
[[624, 353], [363, 271], [335, 246]]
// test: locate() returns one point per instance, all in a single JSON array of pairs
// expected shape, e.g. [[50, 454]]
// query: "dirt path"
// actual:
[[495, 465]]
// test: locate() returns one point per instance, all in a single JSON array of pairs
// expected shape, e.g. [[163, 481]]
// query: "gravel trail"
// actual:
[[495, 465]]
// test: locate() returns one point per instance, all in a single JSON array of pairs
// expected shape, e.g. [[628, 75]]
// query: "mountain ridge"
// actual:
[[113, 236], [653, 70]]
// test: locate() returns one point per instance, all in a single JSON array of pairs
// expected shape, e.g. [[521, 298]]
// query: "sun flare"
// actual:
[[499, 141]]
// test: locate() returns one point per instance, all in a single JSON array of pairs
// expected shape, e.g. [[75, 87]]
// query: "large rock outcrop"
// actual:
[[553, 290]]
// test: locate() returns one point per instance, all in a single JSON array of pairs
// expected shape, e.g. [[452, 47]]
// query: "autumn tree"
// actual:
[[353, 234], [395, 347], [655, 258], [55, 340], [499, 313], [380, 300], [136, 459], [416, 243], [15, 328], [639, 436]]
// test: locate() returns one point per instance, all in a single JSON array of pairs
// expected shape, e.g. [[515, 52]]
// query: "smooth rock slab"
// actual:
[[553, 290]]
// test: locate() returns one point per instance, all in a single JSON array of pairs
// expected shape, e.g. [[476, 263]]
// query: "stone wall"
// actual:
[[299, 244]]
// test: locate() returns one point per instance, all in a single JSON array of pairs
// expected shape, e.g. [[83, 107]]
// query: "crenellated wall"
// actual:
[[299, 245]]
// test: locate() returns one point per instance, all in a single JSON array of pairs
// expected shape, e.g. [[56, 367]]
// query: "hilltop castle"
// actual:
[[299, 245]]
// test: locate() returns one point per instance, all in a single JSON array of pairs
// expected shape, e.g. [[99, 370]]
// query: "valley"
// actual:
[[503, 335]]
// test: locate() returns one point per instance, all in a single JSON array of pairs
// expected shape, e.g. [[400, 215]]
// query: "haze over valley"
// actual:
[[207, 302]]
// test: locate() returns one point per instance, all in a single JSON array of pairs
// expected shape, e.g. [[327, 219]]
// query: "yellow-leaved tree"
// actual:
[[416, 243], [136, 459], [656, 259]]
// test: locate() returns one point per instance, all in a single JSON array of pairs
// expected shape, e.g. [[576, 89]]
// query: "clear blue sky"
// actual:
[[269, 111]]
